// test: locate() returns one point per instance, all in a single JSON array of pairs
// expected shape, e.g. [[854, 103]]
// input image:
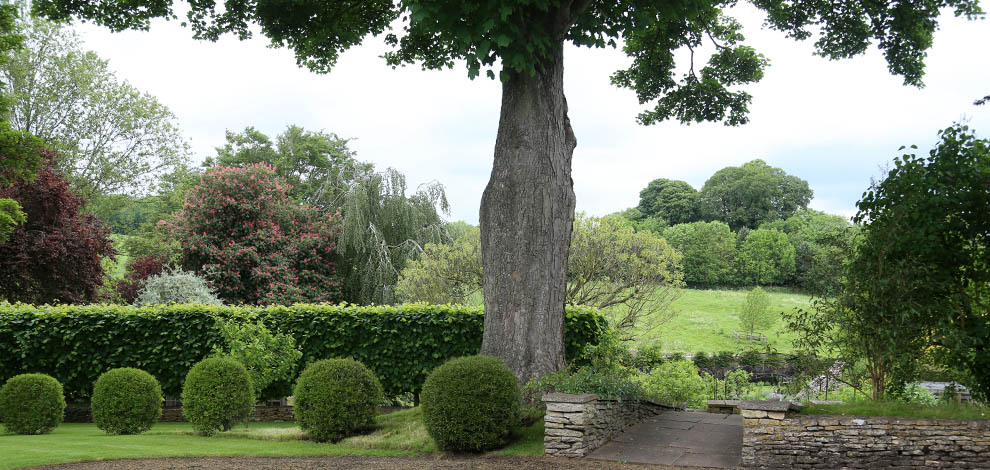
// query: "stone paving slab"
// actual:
[[689, 439]]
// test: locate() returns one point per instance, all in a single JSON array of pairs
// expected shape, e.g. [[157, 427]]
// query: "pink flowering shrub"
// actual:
[[239, 230]]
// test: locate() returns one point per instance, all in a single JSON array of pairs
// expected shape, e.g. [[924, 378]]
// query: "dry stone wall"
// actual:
[[575, 425], [773, 441]]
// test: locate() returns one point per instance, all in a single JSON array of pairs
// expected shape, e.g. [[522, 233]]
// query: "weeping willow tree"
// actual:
[[383, 229]]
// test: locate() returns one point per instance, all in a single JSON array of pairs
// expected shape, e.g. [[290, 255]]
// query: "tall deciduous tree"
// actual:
[[527, 208], [751, 194], [709, 249], [111, 137], [318, 166], [672, 200], [765, 257]]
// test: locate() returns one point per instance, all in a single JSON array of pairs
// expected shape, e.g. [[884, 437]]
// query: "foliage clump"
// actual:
[[138, 272], [471, 404], [126, 401], [675, 383], [31, 404], [335, 398], [242, 232], [217, 394], [55, 255], [176, 287], [267, 357]]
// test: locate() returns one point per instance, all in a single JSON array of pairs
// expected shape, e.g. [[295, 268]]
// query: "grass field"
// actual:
[[398, 434], [707, 318], [115, 267]]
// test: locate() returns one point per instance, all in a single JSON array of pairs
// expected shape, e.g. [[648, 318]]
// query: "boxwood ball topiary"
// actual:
[[217, 394], [126, 401], [471, 404], [335, 398], [31, 404]]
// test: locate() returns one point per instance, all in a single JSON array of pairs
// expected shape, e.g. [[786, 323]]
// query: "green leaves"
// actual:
[[401, 344]]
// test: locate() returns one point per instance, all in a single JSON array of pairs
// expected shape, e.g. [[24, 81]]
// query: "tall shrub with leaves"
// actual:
[[176, 286], [267, 357], [54, 256], [240, 231]]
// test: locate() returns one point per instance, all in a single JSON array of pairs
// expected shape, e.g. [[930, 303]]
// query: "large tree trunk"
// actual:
[[527, 213]]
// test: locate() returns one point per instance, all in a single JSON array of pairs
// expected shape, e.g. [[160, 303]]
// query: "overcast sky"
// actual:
[[833, 124]]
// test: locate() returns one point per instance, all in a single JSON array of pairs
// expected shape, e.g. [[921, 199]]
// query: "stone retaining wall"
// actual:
[[575, 425], [784, 440]]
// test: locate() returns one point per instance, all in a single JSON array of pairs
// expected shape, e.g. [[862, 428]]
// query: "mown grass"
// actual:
[[115, 267], [901, 410], [706, 319], [398, 434]]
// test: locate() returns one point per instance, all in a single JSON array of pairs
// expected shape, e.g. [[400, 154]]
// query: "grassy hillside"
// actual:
[[707, 318]]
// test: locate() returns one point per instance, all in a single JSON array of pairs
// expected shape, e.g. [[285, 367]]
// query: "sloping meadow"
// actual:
[[401, 344]]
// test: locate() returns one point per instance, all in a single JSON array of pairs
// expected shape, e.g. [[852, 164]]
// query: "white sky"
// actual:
[[833, 124]]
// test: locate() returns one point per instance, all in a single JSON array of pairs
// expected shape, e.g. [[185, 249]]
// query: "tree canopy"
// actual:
[[111, 138], [318, 166], [751, 194], [671, 200]]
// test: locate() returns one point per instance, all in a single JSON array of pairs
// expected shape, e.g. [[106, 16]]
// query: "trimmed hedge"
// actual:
[[400, 344]]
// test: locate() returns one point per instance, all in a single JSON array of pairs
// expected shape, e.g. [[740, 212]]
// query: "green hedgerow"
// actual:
[[126, 401], [335, 398], [217, 394], [31, 404], [471, 404]]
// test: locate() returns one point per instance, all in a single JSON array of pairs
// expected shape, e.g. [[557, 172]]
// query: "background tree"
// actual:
[[444, 272], [755, 314], [640, 221], [111, 138], [54, 256], [529, 201], [633, 275], [765, 257], [751, 194], [383, 229], [240, 231], [268, 357], [822, 243], [708, 250], [317, 165], [671, 200]]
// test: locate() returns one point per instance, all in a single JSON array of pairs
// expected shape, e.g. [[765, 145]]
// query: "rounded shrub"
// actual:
[[31, 404], [471, 404], [216, 395], [126, 401], [176, 287], [335, 398]]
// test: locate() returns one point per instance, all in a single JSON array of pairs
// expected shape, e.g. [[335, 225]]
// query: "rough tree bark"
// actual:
[[527, 214]]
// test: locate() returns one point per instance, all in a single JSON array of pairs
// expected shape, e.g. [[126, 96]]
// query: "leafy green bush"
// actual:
[[31, 404], [176, 287], [701, 360], [648, 358], [74, 343], [676, 383], [609, 383], [335, 398], [126, 401], [267, 357], [471, 404], [217, 394]]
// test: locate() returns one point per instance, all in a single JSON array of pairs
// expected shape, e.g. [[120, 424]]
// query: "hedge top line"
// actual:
[[341, 308]]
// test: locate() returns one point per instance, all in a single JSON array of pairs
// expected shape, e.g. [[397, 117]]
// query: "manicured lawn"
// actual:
[[115, 267], [902, 410], [399, 434], [707, 318]]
